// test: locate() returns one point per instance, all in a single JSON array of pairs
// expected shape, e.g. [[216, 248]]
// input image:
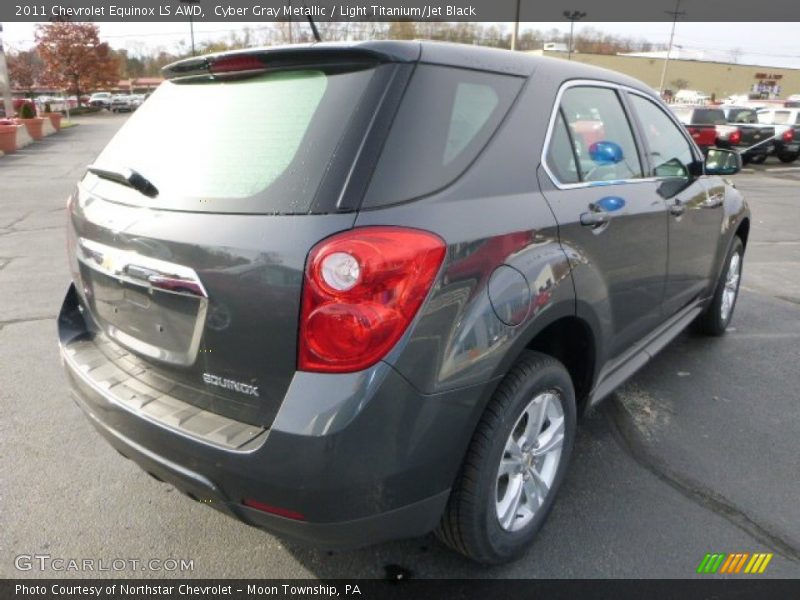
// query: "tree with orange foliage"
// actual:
[[24, 69], [75, 58]]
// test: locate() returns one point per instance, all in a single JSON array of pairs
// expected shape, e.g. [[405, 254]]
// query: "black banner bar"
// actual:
[[394, 10], [244, 589]]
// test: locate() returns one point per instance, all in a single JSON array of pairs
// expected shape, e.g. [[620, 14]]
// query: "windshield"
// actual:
[[260, 144]]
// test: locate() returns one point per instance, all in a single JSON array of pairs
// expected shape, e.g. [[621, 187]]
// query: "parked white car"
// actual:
[[121, 103], [101, 100], [692, 97]]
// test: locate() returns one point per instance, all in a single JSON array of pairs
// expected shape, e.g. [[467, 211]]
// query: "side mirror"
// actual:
[[606, 153], [723, 162]]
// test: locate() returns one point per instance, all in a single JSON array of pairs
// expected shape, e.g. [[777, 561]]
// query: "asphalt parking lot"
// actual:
[[699, 453]]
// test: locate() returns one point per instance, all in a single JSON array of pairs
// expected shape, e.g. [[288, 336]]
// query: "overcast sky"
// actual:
[[769, 44]]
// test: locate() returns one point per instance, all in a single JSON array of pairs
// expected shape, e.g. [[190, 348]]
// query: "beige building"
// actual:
[[717, 78]]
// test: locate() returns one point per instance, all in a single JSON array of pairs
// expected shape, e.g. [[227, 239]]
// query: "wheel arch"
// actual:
[[569, 339], [743, 231]]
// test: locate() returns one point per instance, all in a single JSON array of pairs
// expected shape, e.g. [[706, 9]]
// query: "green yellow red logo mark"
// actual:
[[737, 562]]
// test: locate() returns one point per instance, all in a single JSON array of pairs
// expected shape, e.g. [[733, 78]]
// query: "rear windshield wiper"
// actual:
[[127, 177]]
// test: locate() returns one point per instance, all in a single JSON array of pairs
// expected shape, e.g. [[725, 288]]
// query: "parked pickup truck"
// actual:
[[704, 136], [748, 140], [746, 120], [787, 129]]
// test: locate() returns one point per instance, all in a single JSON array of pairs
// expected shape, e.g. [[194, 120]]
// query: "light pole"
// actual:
[[675, 14], [5, 81], [572, 16]]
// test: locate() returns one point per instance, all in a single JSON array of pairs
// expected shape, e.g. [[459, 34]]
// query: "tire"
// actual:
[[788, 157], [471, 523], [714, 320], [758, 159]]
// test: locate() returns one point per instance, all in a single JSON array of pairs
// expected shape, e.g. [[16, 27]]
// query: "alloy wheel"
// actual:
[[530, 461]]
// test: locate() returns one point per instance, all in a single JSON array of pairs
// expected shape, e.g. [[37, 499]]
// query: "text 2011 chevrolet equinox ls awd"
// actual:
[[349, 293]]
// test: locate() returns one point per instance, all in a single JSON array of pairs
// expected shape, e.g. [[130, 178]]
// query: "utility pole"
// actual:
[[675, 14], [5, 80], [515, 32], [191, 23], [572, 16]]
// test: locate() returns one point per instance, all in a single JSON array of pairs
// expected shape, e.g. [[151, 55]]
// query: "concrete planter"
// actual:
[[23, 137], [8, 139], [55, 119], [47, 128], [34, 126]]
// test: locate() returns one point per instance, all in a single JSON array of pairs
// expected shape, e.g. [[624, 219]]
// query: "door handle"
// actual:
[[595, 218], [677, 209]]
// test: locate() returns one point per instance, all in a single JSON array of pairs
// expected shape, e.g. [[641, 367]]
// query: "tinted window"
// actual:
[[595, 115], [258, 144], [708, 116], [670, 153], [560, 155], [445, 119]]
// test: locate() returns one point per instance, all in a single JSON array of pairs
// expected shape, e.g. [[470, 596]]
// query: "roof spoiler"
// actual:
[[282, 57]]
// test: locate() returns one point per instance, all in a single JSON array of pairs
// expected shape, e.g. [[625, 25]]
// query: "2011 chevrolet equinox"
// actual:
[[349, 293]]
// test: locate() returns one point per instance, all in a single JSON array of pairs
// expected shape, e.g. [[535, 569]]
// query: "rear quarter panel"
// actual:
[[493, 215]]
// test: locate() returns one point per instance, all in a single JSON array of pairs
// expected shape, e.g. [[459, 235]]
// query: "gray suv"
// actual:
[[372, 295]]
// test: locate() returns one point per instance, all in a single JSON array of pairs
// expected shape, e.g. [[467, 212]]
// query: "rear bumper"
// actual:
[[790, 147], [363, 458], [408, 521]]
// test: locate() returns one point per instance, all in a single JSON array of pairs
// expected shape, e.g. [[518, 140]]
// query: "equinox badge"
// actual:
[[242, 388]]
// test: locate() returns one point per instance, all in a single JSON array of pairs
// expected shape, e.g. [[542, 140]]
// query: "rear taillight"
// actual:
[[788, 135], [735, 136], [362, 289]]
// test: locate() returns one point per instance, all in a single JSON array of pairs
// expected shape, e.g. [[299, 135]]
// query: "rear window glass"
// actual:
[[445, 119], [260, 144], [781, 117], [739, 115], [708, 116]]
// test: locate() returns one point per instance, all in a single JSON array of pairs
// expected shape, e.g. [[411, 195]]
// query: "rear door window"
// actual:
[[596, 121], [445, 119], [561, 154], [256, 144]]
